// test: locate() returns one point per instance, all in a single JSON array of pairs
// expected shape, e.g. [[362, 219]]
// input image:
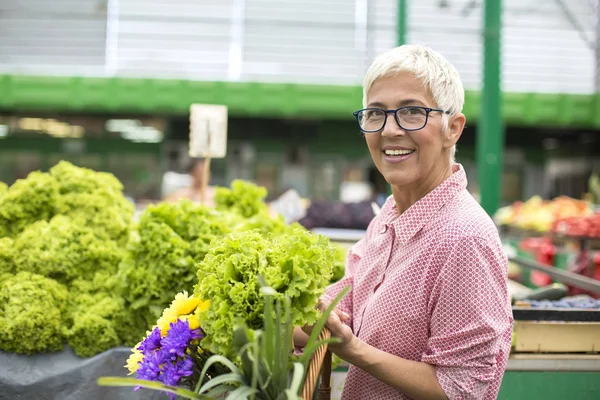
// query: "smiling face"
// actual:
[[410, 160]]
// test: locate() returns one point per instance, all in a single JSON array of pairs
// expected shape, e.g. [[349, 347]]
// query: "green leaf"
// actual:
[[219, 390], [265, 376], [247, 358], [312, 347], [242, 393], [271, 336], [212, 360], [241, 337], [287, 340], [133, 382], [267, 290], [229, 378], [280, 357], [256, 356], [297, 381]]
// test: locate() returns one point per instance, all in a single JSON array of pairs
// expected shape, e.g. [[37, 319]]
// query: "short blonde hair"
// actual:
[[438, 75]]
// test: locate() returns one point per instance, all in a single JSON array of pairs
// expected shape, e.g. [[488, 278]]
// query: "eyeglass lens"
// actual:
[[408, 117]]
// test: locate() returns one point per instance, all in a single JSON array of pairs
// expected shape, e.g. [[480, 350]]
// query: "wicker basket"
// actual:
[[319, 365]]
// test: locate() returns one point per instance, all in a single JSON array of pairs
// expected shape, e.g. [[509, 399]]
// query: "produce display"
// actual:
[[575, 302], [580, 226], [540, 215], [253, 287], [62, 237], [76, 269]]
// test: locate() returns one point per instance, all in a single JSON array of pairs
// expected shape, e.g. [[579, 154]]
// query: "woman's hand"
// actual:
[[336, 324], [415, 379]]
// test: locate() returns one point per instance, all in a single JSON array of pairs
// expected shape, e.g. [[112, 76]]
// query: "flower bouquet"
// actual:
[[233, 337], [171, 358]]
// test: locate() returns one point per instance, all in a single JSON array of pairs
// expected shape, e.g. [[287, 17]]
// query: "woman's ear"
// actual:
[[456, 125]]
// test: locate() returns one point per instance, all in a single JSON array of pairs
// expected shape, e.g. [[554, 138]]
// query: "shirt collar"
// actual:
[[419, 214]]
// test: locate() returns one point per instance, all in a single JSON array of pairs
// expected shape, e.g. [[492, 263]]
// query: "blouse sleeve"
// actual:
[[471, 319]]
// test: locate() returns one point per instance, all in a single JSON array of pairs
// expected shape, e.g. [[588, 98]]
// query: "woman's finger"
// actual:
[[343, 316], [335, 324], [322, 306], [307, 329]]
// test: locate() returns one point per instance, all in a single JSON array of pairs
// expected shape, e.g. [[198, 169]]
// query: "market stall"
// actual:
[[562, 233], [69, 244]]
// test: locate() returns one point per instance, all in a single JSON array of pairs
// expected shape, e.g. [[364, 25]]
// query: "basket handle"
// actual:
[[325, 386], [321, 362]]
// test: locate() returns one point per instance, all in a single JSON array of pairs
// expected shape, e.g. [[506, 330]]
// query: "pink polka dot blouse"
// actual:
[[430, 285]]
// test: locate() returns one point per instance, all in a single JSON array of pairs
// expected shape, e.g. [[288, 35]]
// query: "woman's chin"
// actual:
[[399, 180]]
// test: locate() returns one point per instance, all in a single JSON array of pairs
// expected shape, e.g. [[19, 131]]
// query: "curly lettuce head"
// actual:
[[27, 201], [301, 267], [74, 179], [63, 249], [7, 254], [244, 198], [157, 265], [339, 268], [31, 314], [196, 224], [297, 264], [93, 199], [264, 223], [94, 323]]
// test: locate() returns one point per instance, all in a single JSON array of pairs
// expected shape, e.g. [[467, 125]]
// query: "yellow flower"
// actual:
[[182, 306], [193, 320], [164, 322], [134, 359]]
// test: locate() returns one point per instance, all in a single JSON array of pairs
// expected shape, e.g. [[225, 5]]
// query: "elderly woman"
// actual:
[[429, 314]]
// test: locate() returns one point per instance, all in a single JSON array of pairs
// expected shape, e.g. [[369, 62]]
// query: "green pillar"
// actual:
[[401, 33], [490, 130]]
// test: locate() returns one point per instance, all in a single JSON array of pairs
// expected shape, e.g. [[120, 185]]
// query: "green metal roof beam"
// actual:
[[173, 97]]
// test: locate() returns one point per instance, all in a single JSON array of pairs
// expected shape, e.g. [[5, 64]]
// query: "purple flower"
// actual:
[[173, 372], [151, 343], [150, 367], [179, 337]]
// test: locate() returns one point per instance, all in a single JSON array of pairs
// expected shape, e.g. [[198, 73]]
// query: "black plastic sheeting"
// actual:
[[64, 376]]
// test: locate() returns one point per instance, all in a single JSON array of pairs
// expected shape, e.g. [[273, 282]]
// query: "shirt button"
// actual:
[[384, 229]]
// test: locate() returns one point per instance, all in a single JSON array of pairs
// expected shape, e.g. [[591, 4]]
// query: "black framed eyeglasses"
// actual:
[[410, 118]]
